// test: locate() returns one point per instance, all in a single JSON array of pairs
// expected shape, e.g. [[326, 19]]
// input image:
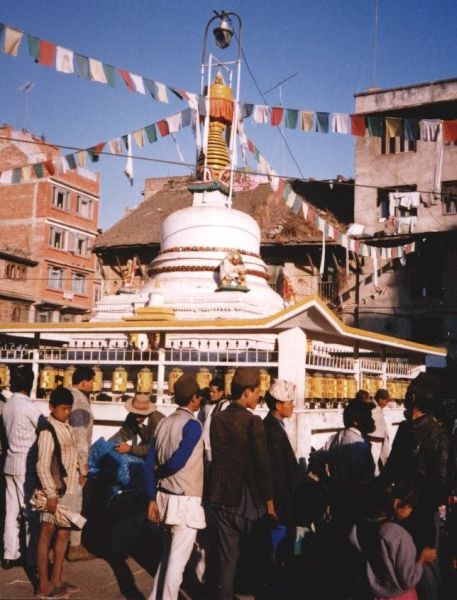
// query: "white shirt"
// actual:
[[20, 418]]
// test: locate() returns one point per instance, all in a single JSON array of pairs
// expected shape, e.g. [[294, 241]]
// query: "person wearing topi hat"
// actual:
[[285, 469], [174, 486], [135, 428], [240, 487]]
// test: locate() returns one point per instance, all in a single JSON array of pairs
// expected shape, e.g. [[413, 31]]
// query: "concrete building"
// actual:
[[47, 228], [406, 191]]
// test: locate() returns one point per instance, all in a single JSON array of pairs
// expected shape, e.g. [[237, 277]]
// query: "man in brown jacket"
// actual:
[[241, 488]]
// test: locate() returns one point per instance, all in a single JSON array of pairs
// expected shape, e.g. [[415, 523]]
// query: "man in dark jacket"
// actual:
[[420, 454], [241, 487]]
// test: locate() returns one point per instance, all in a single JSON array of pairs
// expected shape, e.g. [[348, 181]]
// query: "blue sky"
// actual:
[[329, 43]]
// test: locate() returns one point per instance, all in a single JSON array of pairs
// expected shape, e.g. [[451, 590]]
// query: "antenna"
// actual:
[[375, 42], [25, 88]]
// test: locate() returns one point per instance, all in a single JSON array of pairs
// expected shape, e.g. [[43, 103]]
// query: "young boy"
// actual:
[[59, 474]]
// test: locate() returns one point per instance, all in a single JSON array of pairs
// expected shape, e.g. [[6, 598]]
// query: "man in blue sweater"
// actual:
[[174, 484]]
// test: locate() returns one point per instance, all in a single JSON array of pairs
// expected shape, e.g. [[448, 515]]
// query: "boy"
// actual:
[[60, 477]]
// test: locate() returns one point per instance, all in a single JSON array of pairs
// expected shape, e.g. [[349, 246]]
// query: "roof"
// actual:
[[278, 224], [311, 314], [378, 90]]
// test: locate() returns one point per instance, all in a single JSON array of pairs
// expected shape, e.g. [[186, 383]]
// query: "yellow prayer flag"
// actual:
[[139, 138], [306, 120], [393, 127], [12, 41], [81, 158]]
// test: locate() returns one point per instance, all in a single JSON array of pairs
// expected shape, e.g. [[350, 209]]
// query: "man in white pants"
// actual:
[[22, 419], [174, 483]]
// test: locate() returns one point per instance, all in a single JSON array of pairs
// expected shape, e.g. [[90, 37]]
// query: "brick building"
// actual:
[[47, 229], [406, 190]]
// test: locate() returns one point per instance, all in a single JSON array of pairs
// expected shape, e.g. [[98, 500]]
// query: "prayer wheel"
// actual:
[[390, 386], [317, 384], [265, 381], [119, 380], [203, 377], [341, 387], [4, 376], [97, 382], [68, 376], [173, 377], [144, 381], [366, 383], [47, 378], [308, 386], [228, 376], [331, 386], [377, 384], [352, 387]]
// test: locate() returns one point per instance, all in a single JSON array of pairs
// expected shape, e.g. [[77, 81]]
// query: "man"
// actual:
[[22, 420], [217, 403], [175, 462], [420, 454], [379, 439], [81, 421], [139, 408], [241, 488]]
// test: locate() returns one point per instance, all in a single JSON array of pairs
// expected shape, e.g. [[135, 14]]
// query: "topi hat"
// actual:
[[147, 406], [247, 376], [186, 386], [282, 390]]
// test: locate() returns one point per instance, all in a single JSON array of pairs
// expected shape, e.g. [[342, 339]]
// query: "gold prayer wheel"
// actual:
[[341, 387], [119, 380], [317, 385], [173, 377], [352, 387], [308, 386], [377, 384], [228, 376], [203, 377], [4, 376], [68, 376], [144, 381], [390, 386], [97, 382], [265, 381], [47, 378], [366, 383], [331, 386]]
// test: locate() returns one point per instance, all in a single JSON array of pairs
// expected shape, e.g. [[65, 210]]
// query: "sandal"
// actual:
[[68, 588], [55, 594]]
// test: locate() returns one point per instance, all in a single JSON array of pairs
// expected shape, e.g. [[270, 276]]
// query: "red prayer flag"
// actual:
[[281, 187], [163, 127], [357, 125], [127, 79], [310, 215], [450, 130], [47, 53], [48, 165], [251, 147], [276, 115]]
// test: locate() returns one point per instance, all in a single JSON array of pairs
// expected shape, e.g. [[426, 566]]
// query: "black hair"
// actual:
[[237, 390], [362, 395], [358, 414], [60, 396], [21, 380], [382, 394], [424, 392], [378, 497], [217, 382], [83, 373], [270, 401], [185, 400]]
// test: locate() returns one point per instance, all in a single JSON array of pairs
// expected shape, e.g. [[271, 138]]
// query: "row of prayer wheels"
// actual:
[[204, 376], [330, 386]]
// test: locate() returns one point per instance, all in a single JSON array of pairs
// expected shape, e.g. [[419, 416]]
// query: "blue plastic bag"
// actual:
[[118, 469]]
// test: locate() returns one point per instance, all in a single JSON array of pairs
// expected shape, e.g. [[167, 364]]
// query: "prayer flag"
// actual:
[[358, 125], [71, 160], [95, 151], [127, 79], [393, 127], [48, 165], [12, 41], [450, 130], [161, 94], [115, 145], [82, 66], [138, 137], [27, 173], [276, 115], [33, 44], [163, 127], [376, 126], [38, 168], [322, 119], [110, 74], [186, 117], [47, 55], [291, 118], [16, 175], [245, 110], [81, 158], [260, 114], [151, 133], [411, 131], [97, 72], [129, 166], [306, 120], [138, 83], [296, 205], [64, 60], [339, 123]]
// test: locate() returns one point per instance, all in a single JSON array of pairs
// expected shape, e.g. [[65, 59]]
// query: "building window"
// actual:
[[397, 145], [84, 206], [61, 198], [395, 202], [97, 294], [55, 278], [15, 271], [57, 238], [18, 313], [42, 316], [67, 318], [78, 283], [81, 245], [449, 197]]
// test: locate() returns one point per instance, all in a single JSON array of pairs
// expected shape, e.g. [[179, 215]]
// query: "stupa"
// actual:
[[209, 265]]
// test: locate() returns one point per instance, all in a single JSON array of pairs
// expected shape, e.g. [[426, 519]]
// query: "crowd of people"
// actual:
[[364, 519]]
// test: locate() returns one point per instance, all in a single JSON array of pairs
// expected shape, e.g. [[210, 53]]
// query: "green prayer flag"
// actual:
[[33, 44], [376, 126], [110, 74], [151, 133], [38, 168], [291, 118]]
